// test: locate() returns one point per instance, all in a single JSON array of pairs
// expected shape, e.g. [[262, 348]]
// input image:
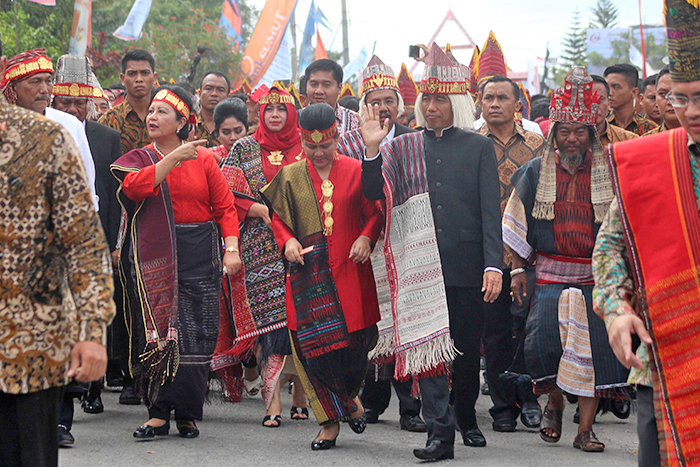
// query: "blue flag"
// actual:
[[131, 29], [307, 48]]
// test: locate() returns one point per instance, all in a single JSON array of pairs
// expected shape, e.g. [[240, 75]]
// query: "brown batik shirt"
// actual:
[[639, 124], [133, 130], [56, 275]]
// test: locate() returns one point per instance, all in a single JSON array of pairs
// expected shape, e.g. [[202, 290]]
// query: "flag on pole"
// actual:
[[315, 17], [265, 40], [320, 48], [44, 2], [131, 29], [81, 31], [356, 64], [231, 22]]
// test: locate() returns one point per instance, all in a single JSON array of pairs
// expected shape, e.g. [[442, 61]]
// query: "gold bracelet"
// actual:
[[231, 249]]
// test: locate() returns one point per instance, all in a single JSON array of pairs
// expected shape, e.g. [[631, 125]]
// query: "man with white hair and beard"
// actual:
[[443, 246], [552, 217]]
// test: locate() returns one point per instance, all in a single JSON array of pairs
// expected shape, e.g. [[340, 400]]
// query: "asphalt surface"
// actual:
[[233, 435]]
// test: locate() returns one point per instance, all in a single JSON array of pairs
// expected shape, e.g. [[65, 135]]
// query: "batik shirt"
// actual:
[[56, 276], [347, 119], [133, 130], [614, 134], [522, 147], [639, 124], [614, 284], [203, 132]]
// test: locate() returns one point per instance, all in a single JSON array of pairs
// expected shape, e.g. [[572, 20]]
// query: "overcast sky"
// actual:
[[522, 27]]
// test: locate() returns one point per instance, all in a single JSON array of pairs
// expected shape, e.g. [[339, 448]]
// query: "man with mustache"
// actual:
[[552, 218], [28, 82], [646, 278], [381, 91], [500, 100], [213, 88]]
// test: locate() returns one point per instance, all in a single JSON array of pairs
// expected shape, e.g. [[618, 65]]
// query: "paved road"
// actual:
[[232, 435]]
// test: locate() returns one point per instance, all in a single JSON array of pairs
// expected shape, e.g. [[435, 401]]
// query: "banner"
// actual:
[[45, 2], [265, 40], [356, 64], [315, 17], [131, 29], [81, 31], [281, 67], [231, 22]]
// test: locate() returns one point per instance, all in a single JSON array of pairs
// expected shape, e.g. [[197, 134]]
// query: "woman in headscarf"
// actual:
[[326, 229], [179, 207], [252, 163]]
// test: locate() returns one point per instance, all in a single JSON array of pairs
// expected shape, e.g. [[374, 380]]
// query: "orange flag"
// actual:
[[320, 49]]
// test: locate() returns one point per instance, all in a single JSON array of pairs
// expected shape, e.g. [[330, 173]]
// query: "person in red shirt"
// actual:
[[327, 229], [179, 206], [231, 124]]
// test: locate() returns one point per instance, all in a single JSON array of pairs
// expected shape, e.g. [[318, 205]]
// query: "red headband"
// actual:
[[172, 99], [318, 136]]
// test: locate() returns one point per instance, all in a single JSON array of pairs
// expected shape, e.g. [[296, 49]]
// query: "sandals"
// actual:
[[252, 388], [275, 418], [551, 419], [299, 413], [587, 441]]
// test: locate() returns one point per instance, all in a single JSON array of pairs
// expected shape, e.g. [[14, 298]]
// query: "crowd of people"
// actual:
[[169, 241]]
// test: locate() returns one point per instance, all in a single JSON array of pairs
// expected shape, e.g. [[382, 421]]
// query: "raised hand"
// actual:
[[372, 131]]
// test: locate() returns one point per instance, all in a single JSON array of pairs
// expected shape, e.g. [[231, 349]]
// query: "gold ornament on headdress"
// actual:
[[327, 191]]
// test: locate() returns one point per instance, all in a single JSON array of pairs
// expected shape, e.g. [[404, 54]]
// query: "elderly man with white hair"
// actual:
[[443, 246]]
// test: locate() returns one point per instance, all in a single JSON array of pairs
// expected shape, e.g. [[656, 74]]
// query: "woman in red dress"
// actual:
[[327, 229], [179, 206]]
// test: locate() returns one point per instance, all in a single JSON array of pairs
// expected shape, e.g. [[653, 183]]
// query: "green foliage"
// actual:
[[575, 43], [39, 26], [655, 52], [605, 15]]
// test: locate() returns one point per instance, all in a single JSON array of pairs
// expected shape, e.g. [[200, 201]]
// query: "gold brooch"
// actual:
[[275, 157], [327, 191]]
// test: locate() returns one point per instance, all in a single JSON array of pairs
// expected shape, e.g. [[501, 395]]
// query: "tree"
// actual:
[[575, 43], [605, 15]]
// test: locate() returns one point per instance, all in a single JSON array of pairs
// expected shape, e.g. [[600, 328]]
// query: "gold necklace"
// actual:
[[163, 155], [275, 157], [327, 191]]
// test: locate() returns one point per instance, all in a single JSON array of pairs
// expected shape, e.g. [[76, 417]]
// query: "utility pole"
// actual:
[[346, 46], [17, 29], [295, 56]]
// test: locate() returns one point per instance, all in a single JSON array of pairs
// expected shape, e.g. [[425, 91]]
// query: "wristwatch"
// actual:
[[231, 249]]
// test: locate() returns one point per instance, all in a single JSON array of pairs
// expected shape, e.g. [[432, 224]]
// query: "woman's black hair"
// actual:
[[317, 117], [184, 132], [231, 107]]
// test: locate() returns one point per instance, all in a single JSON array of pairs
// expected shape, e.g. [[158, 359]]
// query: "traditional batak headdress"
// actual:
[[683, 30], [474, 67], [492, 62], [319, 136], [22, 66], [407, 87], [74, 79], [525, 101], [575, 103], [346, 91], [378, 76], [442, 75], [172, 99]]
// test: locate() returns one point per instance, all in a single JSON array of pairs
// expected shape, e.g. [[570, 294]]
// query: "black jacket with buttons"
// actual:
[[465, 198]]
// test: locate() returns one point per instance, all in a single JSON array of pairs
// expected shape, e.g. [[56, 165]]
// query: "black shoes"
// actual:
[[65, 439], [188, 431], [129, 397], [93, 406], [474, 437], [621, 408], [150, 432], [531, 414], [435, 451], [412, 423], [371, 416], [322, 444], [359, 424], [503, 424]]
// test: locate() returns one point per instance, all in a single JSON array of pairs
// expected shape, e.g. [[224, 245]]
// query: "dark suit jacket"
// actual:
[[400, 129], [105, 145], [465, 199]]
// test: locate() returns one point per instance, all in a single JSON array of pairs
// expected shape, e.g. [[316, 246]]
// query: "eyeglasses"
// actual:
[[681, 102]]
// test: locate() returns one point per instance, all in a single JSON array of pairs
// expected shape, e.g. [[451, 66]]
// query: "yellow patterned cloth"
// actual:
[[576, 374], [56, 276]]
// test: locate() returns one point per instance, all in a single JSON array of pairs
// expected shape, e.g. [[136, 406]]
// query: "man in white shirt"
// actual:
[[28, 83]]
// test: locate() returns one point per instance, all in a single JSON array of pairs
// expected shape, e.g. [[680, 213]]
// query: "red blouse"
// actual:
[[353, 215], [198, 190]]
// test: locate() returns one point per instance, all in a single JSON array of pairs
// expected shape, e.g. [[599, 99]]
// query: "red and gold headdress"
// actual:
[[169, 97], [378, 76], [474, 67], [346, 91], [492, 62], [276, 95], [407, 87], [74, 78], [576, 102], [319, 136], [22, 66], [442, 75]]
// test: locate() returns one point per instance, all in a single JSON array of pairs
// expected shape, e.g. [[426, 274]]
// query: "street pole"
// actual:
[[346, 46], [295, 57], [641, 35], [16, 29]]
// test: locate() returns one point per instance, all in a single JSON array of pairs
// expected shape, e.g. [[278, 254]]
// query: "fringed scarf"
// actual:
[[155, 264], [601, 185]]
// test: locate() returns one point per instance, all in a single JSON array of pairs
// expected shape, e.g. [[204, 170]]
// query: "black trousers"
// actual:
[[648, 455], [466, 308], [376, 394], [435, 396], [28, 434], [503, 327]]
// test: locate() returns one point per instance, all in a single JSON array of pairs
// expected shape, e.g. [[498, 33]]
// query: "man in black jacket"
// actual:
[[380, 90], [455, 174], [74, 88]]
